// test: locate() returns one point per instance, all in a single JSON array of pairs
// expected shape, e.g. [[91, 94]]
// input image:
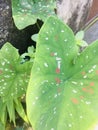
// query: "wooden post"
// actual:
[[74, 12]]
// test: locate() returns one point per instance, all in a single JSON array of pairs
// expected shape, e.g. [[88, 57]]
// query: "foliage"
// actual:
[[62, 92], [26, 12], [14, 77], [79, 39]]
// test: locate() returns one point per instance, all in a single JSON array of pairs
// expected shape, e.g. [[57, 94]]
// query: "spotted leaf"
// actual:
[[63, 88], [26, 12], [14, 78]]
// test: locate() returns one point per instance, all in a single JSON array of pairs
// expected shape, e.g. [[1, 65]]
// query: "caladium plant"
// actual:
[[14, 77], [63, 88], [26, 12]]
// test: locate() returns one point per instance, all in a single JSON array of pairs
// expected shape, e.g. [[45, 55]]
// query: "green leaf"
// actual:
[[26, 12], [20, 110], [2, 127], [80, 35], [34, 37], [62, 95], [11, 110], [30, 54], [79, 39], [14, 78], [3, 113]]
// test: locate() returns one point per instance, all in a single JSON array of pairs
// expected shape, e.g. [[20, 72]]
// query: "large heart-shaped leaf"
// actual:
[[63, 89], [26, 12]]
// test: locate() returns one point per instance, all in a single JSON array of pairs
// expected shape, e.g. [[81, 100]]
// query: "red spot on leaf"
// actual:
[[81, 97], [57, 70], [91, 91], [59, 90], [52, 54], [92, 84], [88, 90], [57, 80], [84, 89], [96, 71], [1, 72], [83, 73], [75, 101]]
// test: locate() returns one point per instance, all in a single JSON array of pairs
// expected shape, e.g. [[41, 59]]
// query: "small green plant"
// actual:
[[14, 77], [62, 92]]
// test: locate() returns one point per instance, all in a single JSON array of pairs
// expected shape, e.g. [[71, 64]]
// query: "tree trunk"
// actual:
[[74, 12]]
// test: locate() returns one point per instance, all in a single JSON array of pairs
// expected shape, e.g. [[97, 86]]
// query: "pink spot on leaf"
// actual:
[[81, 97], [92, 84], [52, 54], [57, 80], [57, 70], [88, 90], [75, 101], [91, 91], [96, 71], [83, 73], [59, 90], [1, 72], [84, 89]]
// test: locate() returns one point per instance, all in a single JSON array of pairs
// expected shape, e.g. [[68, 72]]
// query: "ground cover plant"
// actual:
[[14, 77], [58, 80]]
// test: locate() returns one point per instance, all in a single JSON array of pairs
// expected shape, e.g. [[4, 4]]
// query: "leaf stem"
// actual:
[[38, 25]]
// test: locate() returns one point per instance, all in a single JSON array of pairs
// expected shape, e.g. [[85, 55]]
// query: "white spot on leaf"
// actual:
[[81, 83], [88, 102], [65, 40], [81, 117], [85, 76], [94, 66], [3, 63], [73, 82], [46, 38], [62, 31], [70, 125], [52, 128], [74, 91], [45, 64]]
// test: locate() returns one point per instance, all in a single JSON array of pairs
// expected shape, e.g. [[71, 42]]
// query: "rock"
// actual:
[[5, 20]]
